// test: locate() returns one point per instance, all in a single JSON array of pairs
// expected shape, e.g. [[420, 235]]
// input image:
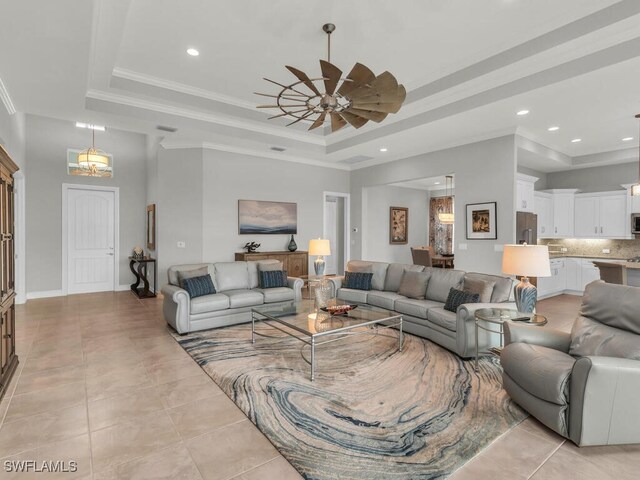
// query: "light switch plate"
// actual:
[[564, 249], [462, 246], [606, 250], [181, 245]]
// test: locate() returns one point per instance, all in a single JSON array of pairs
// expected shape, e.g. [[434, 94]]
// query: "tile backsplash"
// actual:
[[593, 247]]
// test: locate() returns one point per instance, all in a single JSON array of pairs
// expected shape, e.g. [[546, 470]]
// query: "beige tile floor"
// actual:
[[102, 382]]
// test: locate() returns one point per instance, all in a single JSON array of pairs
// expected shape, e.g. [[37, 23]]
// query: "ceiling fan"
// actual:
[[355, 99]]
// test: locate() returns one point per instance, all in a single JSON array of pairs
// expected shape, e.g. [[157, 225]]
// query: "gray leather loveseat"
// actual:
[[585, 385], [427, 318], [237, 290]]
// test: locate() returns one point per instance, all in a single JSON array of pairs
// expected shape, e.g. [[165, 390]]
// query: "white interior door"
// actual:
[[90, 240], [331, 234]]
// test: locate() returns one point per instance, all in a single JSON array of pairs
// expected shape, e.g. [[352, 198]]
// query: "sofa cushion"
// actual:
[[231, 276], [414, 284], [441, 281], [613, 305], [209, 303], [415, 308], [502, 290], [394, 275], [383, 299], [483, 288], [351, 295], [186, 274], [244, 298], [541, 371], [458, 297], [172, 272], [273, 279], [278, 294], [254, 267], [198, 286], [358, 280], [379, 270], [589, 337], [442, 317]]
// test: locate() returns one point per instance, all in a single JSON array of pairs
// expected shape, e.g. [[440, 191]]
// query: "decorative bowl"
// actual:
[[339, 309]]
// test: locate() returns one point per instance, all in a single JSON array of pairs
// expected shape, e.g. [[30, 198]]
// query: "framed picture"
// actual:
[[258, 218], [481, 221], [398, 225], [151, 226]]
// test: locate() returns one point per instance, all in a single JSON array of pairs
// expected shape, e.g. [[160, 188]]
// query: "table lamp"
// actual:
[[527, 261], [319, 247]]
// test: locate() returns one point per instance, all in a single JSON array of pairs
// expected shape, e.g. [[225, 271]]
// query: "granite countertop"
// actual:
[[598, 257]]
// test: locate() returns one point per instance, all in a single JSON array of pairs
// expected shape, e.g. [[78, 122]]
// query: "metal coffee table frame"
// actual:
[[311, 339]]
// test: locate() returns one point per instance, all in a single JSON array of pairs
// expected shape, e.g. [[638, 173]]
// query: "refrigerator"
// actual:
[[526, 228]]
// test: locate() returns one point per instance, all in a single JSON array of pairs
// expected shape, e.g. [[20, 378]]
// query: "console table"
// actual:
[[295, 263], [141, 275]]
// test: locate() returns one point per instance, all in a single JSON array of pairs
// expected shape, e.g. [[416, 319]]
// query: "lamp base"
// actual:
[[318, 266], [526, 296]]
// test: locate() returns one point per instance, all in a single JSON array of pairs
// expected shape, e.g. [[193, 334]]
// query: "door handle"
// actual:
[[110, 253], [595, 230], [601, 230]]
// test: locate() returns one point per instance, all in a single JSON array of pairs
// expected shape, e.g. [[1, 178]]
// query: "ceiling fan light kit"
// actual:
[[355, 99]]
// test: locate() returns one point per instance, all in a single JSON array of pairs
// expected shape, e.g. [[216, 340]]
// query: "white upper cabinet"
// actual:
[[601, 215], [543, 208], [563, 212], [525, 200]]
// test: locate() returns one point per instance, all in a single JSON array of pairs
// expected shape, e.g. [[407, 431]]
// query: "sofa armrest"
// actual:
[[176, 307], [545, 337], [296, 284], [465, 329], [336, 284], [604, 401]]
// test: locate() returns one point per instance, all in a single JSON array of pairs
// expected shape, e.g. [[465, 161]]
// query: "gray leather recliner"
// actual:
[[585, 385]]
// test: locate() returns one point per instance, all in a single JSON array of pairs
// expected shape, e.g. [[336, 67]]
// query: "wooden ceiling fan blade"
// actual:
[[379, 107], [355, 120], [319, 121], [331, 75], [359, 75], [337, 122], [397, 96], [385, 82], [373, 116], [304, 79]]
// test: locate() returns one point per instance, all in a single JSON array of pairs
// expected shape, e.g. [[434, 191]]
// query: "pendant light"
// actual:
[[635, 189], [93, 160], [447, 217]]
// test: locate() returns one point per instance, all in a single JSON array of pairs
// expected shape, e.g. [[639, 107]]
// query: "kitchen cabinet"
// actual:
[[588, 273], [602, 215], [543, 208], [563, 212], [573, 266], [525, 200], [557, 282]]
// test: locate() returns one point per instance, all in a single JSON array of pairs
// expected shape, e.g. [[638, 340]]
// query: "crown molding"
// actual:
[[204, 117], [168, 145], [6, 99]]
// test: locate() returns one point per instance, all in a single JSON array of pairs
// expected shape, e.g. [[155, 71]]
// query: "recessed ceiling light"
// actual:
[[553, 129], [627, 139], [576, 140], [522, 112], [193, 52], [383, 149], [90, 126]]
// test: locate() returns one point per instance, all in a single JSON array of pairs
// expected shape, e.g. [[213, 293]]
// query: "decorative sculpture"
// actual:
[[251, 246]]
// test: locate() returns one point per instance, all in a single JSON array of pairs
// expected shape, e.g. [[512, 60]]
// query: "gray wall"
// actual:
[[376, 223], [46, 151], [230, 177], [595, 179], [484, 172]]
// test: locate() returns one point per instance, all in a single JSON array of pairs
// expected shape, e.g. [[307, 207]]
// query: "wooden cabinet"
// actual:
[[8, 357], [601, 215], [295, 263], [543, 208], [525, 201]]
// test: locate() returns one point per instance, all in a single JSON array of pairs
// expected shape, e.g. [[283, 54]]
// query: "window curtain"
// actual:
[[440, 234]]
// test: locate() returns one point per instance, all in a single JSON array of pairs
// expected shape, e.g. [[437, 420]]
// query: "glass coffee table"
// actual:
[[497, 316], [313, 328]]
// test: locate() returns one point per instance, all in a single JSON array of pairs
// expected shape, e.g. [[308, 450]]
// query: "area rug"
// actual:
[[371, 413]]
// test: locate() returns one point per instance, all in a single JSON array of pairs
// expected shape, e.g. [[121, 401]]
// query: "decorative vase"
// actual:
[[323, 294], [293, 246]]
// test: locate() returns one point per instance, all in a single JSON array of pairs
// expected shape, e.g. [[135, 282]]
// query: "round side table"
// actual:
[[497, 316]]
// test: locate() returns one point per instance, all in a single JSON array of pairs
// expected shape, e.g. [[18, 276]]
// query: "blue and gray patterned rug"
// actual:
[[372, 412]]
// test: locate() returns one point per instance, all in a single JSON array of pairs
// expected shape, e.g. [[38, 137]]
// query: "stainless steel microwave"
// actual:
[[635, 223]]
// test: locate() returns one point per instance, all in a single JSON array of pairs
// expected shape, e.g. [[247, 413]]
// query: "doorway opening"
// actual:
[[336, 229]]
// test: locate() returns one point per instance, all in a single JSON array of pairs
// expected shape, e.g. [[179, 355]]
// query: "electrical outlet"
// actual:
[[606, 250], [182, 245], [462, 246], [564, 249]]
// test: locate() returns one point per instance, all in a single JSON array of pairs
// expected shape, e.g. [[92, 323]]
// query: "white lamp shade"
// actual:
[[319, 246], [92, 157], [526, 260]]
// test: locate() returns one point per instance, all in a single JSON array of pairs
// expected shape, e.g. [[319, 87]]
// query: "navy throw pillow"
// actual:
[[358, 280], [459, 297], [273, 279], [198, 286]]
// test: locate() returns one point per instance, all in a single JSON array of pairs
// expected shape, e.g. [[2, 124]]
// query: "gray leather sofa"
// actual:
[[427, 318], [585, 385], [237, 291]]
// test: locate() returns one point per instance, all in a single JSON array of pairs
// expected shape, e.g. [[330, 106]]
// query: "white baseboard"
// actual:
[[123, 288], [44, 294], [563, 292]]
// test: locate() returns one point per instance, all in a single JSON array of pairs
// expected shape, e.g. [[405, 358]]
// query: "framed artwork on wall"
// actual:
[[398, 225], [481, 221], [151, 226], [260, 217]]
